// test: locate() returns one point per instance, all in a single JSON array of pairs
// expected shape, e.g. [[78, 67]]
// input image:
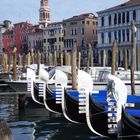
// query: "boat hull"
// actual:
[[71, 108]]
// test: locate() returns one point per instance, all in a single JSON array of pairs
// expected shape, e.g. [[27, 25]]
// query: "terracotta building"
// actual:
[[20, 34], [83, 29]]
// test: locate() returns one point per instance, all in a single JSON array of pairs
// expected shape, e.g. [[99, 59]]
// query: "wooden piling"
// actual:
[[29, 58], [74, 66], [38, 61], [116, 60], [4, 62], [79, 60], [88, 59], [65, 57], [91, 57], [61, 57], [24, 62], [68, 62], [132, 57], [55, 57], [125, 59], [32, 56], [113, 58], [5, 131], [50, 58], [9, 62], [14, 63]]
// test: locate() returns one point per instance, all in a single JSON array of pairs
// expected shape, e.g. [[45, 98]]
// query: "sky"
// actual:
[[28, 10]]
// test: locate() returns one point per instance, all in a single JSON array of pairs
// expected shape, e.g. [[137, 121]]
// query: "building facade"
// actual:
[[114, 24], [53, 41], [20, 35], [6, 25], [44, 13], [8, 41], [35, 42], [82, 29]]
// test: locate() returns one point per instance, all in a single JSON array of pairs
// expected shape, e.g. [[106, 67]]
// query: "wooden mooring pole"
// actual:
[[14, 63], [5, 132], [38, 61], [125, 59], [113, 58], [74, 66], [133, 30]]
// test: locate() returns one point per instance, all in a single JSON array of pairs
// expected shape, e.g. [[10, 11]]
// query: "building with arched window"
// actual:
[[114, 24]]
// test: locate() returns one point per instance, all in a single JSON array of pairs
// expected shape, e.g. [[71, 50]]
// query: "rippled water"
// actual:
[[39, 124]]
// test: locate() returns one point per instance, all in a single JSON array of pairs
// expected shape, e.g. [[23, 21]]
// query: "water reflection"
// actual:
[[39, 124]]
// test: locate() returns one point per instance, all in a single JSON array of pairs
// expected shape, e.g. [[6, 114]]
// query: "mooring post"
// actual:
[[116, 60], [61, 57], [38, 61], [55, 57], [74, 66], [88, 59], [125, 59], [14, 63], [113, 58], [5, 131], [91, 56], [133, 31], [21, 102], [79, 60]]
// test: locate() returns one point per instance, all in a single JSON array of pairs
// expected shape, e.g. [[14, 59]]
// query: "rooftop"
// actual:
[[81, 17], [123, 5]]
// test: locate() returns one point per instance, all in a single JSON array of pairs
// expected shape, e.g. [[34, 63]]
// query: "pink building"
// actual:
[[20, 34]]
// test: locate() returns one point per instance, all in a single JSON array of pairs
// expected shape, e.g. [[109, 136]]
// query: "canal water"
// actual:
[[36, 123]]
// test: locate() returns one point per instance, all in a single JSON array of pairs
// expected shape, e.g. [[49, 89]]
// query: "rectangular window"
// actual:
[[44, 40], [102, 21], [88, 22], [82, 31]]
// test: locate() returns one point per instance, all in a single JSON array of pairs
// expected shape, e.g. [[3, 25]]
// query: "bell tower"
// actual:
[[44, 13]]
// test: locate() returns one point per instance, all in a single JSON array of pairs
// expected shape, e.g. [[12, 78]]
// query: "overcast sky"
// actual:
[[28, 10]]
